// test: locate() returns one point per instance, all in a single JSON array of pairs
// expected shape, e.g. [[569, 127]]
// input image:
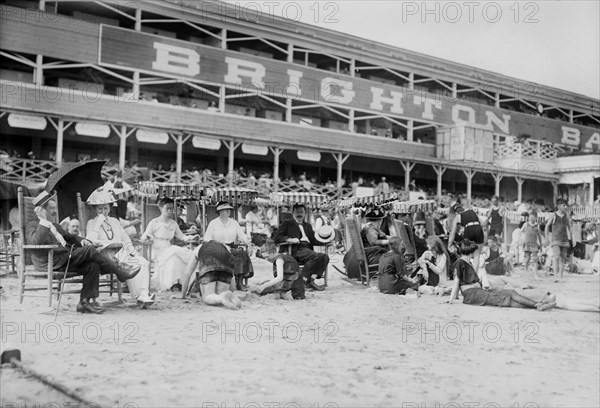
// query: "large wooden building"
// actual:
[[200, 85]]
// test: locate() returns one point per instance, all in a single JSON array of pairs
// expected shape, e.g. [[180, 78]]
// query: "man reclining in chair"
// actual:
[[85, 260], [300, 234]]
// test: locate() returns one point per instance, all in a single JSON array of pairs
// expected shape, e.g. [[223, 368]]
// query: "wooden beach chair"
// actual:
[[354, 233]]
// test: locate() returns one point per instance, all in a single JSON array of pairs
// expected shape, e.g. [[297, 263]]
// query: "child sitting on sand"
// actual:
[[466, 279], [287, 280], [496, 263], [393, 278]]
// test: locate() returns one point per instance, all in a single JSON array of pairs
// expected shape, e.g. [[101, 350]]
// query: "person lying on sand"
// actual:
[[287, 280], [215, 266], [562, 301], [466, 279]]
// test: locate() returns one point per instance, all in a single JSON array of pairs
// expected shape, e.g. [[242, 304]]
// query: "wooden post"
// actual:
[[60, 127], [410, 130], [123, 135], [340, 159], [470, 173], [231, 146], [439, 170], [520, 181], [497, 178], [179, 140], [407, 166], [554, 191], [276, 153]]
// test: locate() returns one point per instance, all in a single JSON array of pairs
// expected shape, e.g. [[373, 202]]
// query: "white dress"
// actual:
[[170, 261], [111, 231]]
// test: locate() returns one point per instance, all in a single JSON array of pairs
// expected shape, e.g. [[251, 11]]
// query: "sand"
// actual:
[[348, 346]]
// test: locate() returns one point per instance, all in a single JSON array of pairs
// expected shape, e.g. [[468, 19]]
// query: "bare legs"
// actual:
[[218, 293]]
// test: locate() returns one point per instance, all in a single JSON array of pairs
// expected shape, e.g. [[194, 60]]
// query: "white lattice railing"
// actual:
[[26, 169], [531, 150]]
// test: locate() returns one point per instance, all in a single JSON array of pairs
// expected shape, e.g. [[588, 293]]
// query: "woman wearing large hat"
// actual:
[[103, 229], [170, 261], [228, 232]]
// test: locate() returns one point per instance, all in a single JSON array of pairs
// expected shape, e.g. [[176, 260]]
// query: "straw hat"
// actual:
[[325, 234], [101, 197], [42, 198], [374, 215], [224, 205]]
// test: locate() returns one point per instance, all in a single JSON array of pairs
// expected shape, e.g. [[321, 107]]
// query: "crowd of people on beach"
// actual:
[[416, 253]]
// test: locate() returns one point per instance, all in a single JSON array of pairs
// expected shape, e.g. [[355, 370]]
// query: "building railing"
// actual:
[[530, 149], [18, 169]]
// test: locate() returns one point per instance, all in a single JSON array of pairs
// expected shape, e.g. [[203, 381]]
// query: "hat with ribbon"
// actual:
[[100, 196], [224, 205], [42, 199], [325, 234]]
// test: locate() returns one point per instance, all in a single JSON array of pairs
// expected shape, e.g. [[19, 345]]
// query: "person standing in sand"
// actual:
[[560, 224]]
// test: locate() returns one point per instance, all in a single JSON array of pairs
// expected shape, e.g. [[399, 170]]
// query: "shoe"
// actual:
[[315, 286], [144, 301], [128, 271], [176, 287], [85, 307]]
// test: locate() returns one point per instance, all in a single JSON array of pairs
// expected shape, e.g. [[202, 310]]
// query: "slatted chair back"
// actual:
[[405, 234], [29, 276], [354, 234], [430, 226]]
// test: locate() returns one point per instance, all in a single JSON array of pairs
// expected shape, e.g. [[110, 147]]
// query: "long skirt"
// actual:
[[170, 265]]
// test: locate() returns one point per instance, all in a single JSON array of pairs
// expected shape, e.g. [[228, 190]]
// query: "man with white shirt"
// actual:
[[299, 233]]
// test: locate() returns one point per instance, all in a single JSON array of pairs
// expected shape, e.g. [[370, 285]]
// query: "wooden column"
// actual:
[[469, 173], [231, 146], [554, 191], [179, 140], [439, 170], [340, 159], [410, 130], [591, 198], [123, 135], [520, 181], [60, 127], [407, 166], [276, 153], [497, 179]]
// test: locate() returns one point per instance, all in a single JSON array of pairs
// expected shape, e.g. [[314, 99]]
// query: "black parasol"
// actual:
[[73, 178]]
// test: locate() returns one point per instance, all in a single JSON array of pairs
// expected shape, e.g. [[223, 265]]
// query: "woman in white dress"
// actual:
[[170, 260], [106, 230], [228, 232]]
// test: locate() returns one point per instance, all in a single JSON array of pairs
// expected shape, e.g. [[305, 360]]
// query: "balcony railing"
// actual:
[[17, 169], [529, 149]]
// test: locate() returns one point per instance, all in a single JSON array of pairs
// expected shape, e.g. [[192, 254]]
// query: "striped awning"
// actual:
[[368, 200], [312, 199], [413, 206], [234, 195], [172, 190]]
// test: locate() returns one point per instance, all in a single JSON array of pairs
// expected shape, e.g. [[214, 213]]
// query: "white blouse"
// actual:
[[230, 232]]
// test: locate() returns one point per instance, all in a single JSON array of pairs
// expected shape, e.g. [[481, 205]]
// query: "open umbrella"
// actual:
[[73, 178]]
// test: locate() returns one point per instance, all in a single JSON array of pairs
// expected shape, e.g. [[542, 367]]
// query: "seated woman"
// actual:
[[393, 278], [215, 265], [466, 279], [287, 280], [374, 241], [103, 229], [228, 232], [169, 260], [434, 266]]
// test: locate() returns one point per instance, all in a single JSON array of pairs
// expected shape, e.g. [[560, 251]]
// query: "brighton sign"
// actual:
[[131, 50]]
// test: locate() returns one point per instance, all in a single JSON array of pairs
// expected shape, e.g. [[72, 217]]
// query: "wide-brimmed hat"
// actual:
[[374, 215], [224, 205], [100, 196], [457, 208], [325, 234], [420, 218], [42, 198]]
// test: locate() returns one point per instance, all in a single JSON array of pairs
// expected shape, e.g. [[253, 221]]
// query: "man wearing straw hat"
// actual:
[[300, 234], [83, 256]]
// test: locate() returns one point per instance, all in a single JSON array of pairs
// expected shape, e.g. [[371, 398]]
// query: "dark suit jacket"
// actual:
[[37, 234], [290, 229]]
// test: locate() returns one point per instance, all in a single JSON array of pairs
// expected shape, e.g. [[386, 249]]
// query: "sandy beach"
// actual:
[[348, 346]]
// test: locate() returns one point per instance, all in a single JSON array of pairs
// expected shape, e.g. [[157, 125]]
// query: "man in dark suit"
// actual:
[[300, 234], [84, 257]]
